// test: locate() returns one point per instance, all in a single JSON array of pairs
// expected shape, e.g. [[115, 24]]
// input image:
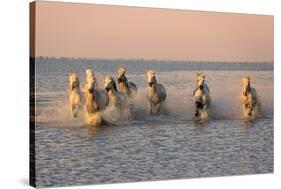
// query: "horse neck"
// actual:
[[205, 88], [197, 88], [124, 84], [75, 90], [112, 92], [90, 97], [153, 87], [196, 83], [248, 98], [94, 91], [248, 90], [89, 102], [198, 91]]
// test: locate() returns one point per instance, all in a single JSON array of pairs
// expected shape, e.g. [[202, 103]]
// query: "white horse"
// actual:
[[128, 88], [116, 99], [89, 77], [249, 98], [156, 93], [75, 94], [95, 101], [201, 96]]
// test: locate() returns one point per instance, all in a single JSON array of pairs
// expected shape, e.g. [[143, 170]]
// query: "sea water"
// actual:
[[142, 147]]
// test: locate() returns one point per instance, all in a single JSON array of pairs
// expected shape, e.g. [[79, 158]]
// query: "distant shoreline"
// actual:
[[133, 64], [147, 60]]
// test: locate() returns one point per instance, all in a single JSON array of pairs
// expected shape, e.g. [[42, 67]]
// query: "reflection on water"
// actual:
[[170, 146], [152, 151]]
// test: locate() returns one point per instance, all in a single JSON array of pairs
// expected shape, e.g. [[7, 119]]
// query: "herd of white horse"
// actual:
[[121, 96]]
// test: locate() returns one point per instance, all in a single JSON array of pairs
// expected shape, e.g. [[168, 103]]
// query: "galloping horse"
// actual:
[[249, 98], [201, 96], [128, 88], [75, 94], [156, 93], [116, 99], [95, 101]]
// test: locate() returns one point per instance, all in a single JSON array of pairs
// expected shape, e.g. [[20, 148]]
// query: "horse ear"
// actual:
[[204, 76], [249, 79], [197, 75]]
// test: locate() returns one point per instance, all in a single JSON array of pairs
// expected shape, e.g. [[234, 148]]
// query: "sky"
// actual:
[[114, 32]]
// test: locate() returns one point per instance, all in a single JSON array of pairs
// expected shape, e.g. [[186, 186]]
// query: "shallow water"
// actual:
[[170, 146]]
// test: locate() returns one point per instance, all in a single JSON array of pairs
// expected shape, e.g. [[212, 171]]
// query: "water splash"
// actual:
[[225, 87]]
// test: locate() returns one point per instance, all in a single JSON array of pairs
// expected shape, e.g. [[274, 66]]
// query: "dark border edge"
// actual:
[[32, 165]]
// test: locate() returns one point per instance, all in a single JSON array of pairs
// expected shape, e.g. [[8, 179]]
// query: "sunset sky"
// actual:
[[104, 31]]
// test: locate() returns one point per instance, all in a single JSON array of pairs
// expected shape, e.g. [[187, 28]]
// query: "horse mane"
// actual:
[[126, 81], [95, 82], [155, 79], [126, 78], [114, 85], [78, 82]]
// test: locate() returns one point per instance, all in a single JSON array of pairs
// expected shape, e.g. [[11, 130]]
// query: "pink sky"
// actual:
[[103, 31]]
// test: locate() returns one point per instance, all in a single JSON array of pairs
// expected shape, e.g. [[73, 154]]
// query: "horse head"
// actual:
[[200, 80], [246, 85], [150, 76], [121, 75], [109, 84], [73, 81]]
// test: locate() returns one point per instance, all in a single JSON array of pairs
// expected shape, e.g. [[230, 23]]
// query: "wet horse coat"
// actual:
[[249, 98], [156, 93], [75, 94], [201, 96], [116, 99], [128, 88], [96, 101]]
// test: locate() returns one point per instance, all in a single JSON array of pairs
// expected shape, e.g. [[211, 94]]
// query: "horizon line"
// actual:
[[143, 59]]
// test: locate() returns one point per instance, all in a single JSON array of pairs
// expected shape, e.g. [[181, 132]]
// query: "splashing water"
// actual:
[[143, 147], [225, 86]]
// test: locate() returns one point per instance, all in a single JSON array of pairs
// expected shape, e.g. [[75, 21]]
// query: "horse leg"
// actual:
[[197, 106], [158, 108], [153, 109], [74, 111], [250, 109], [247, 110], [204, 113], [244, 110], [196, 113], [71, 112]]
